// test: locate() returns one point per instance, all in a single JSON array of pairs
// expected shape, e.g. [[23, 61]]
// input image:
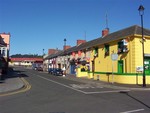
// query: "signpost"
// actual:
[[114, 57]]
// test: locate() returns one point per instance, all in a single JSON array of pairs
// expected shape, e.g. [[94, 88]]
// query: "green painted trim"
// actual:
[[89, 71], [122, 74]]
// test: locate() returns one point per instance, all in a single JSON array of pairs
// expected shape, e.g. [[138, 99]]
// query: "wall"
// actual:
[[131, 59], [6, 39]]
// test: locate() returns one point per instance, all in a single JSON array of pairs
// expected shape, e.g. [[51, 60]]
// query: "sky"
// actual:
[[37, 25]]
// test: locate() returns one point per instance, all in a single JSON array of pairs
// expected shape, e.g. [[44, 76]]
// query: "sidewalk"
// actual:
[[12, 82], [108, 85]]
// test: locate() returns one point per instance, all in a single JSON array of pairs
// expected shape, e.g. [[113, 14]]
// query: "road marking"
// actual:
[[60, 84], [113, 91], [26, 87], [84, 86], [133, 111]]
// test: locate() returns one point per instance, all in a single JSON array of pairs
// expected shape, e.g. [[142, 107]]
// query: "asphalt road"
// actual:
[[53, 94]]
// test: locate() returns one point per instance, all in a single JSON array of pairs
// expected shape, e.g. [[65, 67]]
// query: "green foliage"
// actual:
[[26, 56]]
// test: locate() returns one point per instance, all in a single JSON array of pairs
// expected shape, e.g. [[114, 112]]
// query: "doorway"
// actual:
[[120, 66], [147, 65]]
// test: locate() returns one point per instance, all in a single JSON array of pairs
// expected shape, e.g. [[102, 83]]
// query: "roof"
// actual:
[[114, 36], [121, 34]]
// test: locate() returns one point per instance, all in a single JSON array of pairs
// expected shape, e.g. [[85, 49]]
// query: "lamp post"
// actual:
[[64, 68], [64, 51], [141, 12], [43, 52], [65, 43]]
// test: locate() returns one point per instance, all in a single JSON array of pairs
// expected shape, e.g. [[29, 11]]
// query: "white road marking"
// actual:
[[113, 91], [133, 111], [60, 84], [84, 86]]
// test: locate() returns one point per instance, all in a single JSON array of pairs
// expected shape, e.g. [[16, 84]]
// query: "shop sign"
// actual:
[[139, 69]]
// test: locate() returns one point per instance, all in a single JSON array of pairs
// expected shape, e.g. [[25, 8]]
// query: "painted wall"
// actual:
[[107, 70], [6, 39]]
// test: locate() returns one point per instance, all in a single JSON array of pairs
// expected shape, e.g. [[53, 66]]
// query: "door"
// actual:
[[147, 65], [93, 66], [120, 66], [73, 68]]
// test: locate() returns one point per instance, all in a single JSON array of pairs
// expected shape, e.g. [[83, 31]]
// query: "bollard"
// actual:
[[98, 77]]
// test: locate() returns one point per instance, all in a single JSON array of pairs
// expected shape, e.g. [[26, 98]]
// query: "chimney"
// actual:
[[66, 47], [80, 42], [105, 32], [52, 51]]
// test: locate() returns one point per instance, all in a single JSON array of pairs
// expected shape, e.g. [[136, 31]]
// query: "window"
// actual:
[[106, 50], [96, 52], [122, 47], [3, 52]]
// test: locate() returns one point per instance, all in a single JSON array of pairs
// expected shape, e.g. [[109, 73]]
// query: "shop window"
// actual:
[[106, 50], [83, 68]]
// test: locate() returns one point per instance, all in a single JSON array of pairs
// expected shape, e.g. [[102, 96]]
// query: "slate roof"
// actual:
[[114, 36], [135, 29]]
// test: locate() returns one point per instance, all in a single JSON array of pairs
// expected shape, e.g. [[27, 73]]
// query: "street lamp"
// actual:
[[65, 44], [43, 52], [141, 12], [64, 68]]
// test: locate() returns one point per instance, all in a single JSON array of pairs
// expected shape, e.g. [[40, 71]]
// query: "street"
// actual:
[[56, 94]]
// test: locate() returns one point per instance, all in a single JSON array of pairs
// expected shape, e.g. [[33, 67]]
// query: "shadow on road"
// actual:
[[126, 93], [15, 73]]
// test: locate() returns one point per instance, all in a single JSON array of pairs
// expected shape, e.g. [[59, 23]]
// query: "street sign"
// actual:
[[114, 56], [139, 69]]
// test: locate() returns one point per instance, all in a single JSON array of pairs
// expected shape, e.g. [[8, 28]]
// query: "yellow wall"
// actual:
[[81, 73], [131, 60], [123, 79]]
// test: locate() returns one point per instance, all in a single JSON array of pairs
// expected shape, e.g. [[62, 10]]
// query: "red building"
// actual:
[[25, 61]]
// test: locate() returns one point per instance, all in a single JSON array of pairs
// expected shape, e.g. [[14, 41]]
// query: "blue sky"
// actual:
[[42, 24]]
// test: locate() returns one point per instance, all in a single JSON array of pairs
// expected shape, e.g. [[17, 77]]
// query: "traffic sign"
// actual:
[[114, 56]]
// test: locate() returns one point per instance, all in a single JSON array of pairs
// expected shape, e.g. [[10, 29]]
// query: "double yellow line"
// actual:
[[25, 88]]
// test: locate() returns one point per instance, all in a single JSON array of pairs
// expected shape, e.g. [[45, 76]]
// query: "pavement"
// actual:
[[14, 82], [108, 85]]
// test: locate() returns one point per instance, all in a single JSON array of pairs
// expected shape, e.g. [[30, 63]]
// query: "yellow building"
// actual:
[[125, 48]]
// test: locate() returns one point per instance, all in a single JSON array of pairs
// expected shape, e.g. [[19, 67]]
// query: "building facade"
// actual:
[[4, 50], [127, 45], [113, 57], [25, 61]]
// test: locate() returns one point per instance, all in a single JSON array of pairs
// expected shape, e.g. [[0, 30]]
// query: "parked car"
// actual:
[[37, 66], [57, 71], [50, 70]]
